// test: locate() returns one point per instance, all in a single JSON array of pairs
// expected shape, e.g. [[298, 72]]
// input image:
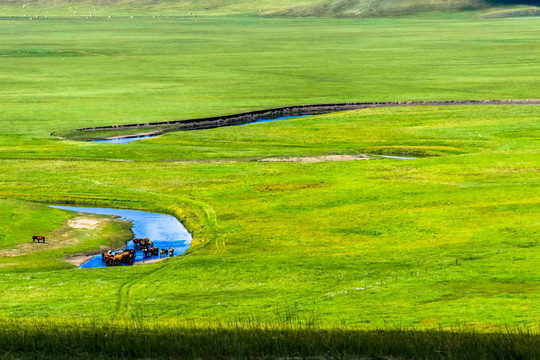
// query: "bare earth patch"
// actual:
[[312, 159], [79, 259], [63, 237], [152, 261], [83, 222]]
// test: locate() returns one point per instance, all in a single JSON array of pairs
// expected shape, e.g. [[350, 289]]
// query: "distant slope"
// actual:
[[292, 8], [386, 8]]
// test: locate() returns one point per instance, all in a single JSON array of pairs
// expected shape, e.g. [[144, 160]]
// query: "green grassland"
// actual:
[[448, 239], [435, 234]]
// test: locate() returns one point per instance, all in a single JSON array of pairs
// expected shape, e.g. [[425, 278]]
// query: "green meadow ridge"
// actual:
[[431, 257]]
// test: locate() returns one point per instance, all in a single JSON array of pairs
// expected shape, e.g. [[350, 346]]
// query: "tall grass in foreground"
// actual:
[[91, 340]]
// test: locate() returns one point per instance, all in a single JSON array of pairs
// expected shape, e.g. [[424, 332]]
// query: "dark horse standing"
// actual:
[[38, 238]]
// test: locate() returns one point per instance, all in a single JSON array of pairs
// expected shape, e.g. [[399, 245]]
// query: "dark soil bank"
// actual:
[[293, 111]]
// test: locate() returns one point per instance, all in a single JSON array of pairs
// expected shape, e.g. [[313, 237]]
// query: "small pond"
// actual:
[[136, 138], [164, 230]]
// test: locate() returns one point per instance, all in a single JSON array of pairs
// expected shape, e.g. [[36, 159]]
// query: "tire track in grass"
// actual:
[[123, 306]]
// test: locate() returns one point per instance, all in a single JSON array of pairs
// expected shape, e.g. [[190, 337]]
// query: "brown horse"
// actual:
[[171, 252], [154, 251], [164, 252], [137, 243], [125, 257], [142, 243], [38, 238], [108, 258]]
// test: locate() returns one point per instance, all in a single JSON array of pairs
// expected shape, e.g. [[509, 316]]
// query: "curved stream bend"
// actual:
[[164, 230], [288, 111]]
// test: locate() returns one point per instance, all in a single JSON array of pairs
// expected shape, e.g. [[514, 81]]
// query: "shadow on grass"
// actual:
[[93, 340]]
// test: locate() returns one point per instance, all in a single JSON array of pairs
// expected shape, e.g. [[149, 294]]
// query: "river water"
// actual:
[[126, 140], [397, 157], [275, 119], [164, 230], [137, 138]]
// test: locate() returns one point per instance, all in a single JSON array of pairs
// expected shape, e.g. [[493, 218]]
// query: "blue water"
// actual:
[[275, 119], [128, 140], [397, 157], [164, 230]]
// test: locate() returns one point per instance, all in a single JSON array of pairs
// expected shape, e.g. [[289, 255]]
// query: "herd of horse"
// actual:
[[127, 256]]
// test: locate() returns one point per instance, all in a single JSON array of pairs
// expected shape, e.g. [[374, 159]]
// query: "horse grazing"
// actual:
[[164, 252], [38, 238]]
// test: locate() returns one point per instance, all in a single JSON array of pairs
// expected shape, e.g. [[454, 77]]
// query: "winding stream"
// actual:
[[128, 139], [286, 112], [397, 157], [275, 119], [164, 230]]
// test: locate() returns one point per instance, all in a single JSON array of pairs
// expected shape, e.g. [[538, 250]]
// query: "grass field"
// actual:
[[443, 242]]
